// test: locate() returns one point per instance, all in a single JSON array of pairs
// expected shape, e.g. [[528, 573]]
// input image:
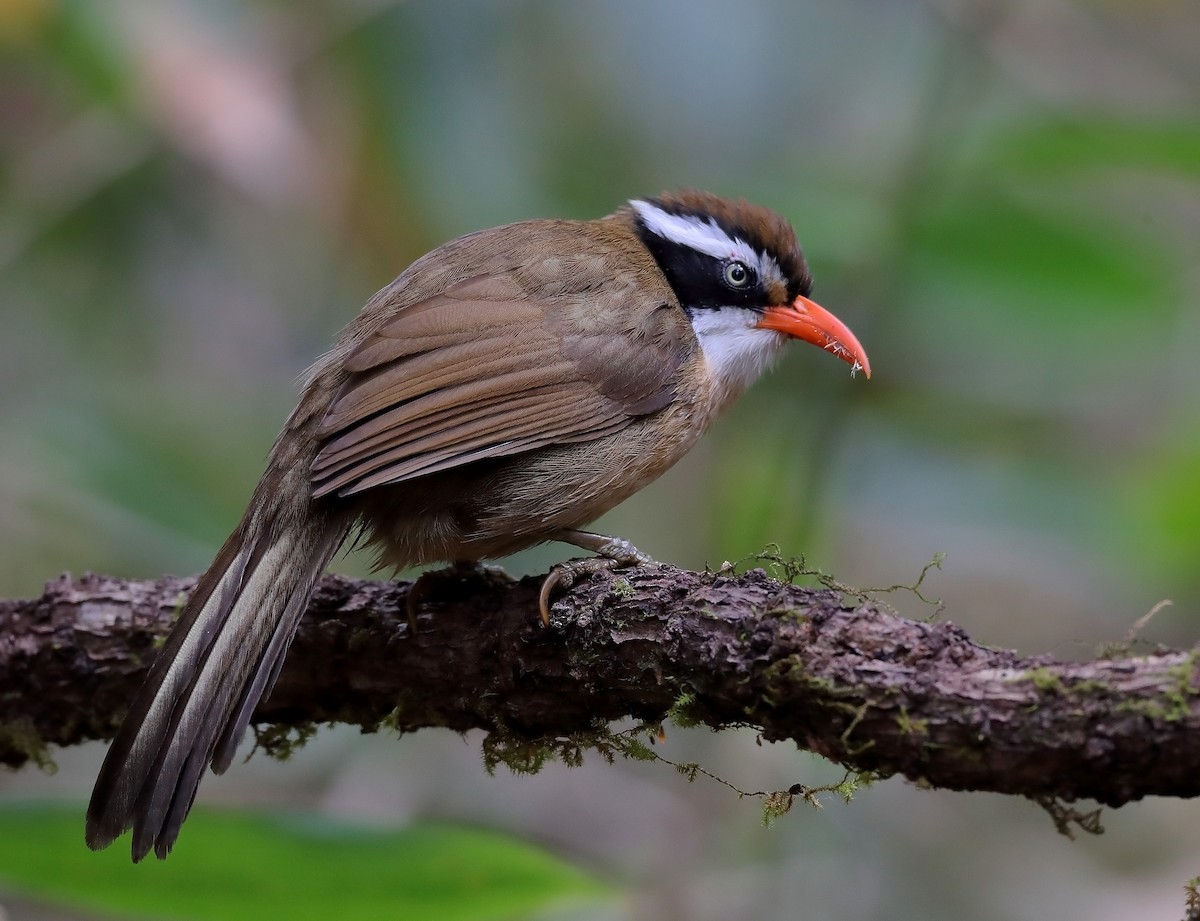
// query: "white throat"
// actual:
[[736, 350]]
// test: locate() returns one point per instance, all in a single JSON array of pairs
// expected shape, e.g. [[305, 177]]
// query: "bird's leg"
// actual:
[[612, 553], [458, 573]]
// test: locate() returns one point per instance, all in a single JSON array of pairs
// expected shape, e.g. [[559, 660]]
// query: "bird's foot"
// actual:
[[614, 553], [460, 576]]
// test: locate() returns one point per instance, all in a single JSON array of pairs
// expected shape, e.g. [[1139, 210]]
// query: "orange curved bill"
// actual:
[[808, 320]]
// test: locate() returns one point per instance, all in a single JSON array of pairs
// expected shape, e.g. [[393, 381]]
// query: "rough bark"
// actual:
[[861, 686]]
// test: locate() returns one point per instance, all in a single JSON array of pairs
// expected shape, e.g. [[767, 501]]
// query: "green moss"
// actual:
[[1067, 818], [691, 770], [1180, 692], [22, 737], [786, 613], [788, 674], [281, 742], [1045, 680], [776, 805], [1191, 891], [859, 713], [853, 782], [391, 721], [909, 726], [1091, 687], [528, 756], [519, 757], [780, 802], [1175, 702], [639, 750], [682, 712]]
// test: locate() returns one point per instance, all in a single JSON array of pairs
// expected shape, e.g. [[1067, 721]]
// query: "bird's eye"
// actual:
[[738, 274]]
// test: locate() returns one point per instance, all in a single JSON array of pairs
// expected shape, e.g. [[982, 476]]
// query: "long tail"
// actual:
[[222, 657]]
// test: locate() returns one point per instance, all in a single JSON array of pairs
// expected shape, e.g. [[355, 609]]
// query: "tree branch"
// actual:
[[856, 684]]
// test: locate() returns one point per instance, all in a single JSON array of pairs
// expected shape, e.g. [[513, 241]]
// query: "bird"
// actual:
[[505, 390]]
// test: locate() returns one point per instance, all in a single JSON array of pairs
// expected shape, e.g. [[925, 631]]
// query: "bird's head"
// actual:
[[742, 278]]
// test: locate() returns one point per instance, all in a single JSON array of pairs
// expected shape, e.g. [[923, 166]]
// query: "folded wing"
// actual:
[[484, 371]]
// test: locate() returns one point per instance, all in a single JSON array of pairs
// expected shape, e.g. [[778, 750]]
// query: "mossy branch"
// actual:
[[836, 675]]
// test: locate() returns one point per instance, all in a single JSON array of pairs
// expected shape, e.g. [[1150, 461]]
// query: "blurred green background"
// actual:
[[1001, 198]]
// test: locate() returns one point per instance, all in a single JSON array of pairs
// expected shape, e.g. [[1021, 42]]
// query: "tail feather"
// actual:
[[265, 676], [220, 660]]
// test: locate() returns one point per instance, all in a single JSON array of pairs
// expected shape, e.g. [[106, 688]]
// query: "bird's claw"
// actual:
[[615, 553], [564, 575]]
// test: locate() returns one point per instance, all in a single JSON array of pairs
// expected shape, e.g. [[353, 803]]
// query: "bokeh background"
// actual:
[[1001, 197]]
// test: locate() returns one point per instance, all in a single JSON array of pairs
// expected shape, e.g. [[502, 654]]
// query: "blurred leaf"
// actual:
[[80, 40], [21, 20], [232, 867], [1073, 145], [777, 458], [1043, 265], [1164, 498], [145, 458]]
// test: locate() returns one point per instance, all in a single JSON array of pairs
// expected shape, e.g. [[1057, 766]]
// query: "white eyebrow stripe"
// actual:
[[703, 236]]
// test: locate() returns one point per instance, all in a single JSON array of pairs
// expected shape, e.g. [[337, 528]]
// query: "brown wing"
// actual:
[[481, 371]]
